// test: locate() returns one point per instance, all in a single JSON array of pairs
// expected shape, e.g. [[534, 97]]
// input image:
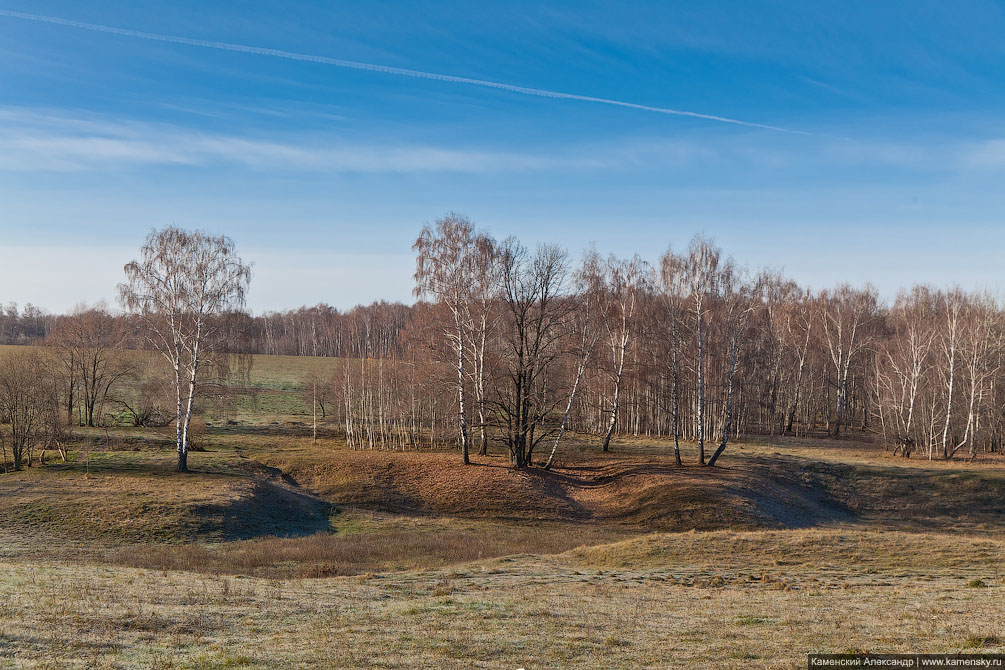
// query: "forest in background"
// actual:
[[515, 346]]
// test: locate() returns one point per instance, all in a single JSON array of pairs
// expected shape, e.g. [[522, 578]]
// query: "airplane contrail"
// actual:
[[385, 69]]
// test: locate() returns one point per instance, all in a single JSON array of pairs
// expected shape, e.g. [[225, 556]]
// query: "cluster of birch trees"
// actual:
[[696, 348], [386, 404], [540, 347], [937, 372], [369, 331]]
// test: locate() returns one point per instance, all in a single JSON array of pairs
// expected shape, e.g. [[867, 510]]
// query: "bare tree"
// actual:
[[953, 305], [799, 313], [673, 294], [451, 265], [740, 298], [846, 316], [701, 276], [980, 344], [584, 333], [482, 318], [317, 390], [67, 360], [533, 288], [623, 284], [26, 405], [183, 281], [89, 342], [904, 360], [147, 396]]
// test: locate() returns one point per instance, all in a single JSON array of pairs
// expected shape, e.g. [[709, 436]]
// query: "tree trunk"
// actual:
[[565, 417], [729, 406], [701, 394], [842, 397], [180, 435], [676, 407], [461, 415], [614, 409], [949, 406], [483, 440], [183, 453], [795, 397]]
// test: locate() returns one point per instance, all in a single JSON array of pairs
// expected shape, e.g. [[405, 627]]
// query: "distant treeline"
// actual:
[[26, 325], [365, 331]]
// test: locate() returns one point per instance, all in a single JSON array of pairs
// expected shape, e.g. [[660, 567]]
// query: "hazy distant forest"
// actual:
[[508, 348]]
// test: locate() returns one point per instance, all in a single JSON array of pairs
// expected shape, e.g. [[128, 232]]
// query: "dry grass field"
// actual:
[[277, 553], [660, 601]]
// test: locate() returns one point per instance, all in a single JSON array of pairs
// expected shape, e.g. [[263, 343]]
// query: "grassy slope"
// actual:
[[428, 592], [424, 509], [667, 601], [836, 573]]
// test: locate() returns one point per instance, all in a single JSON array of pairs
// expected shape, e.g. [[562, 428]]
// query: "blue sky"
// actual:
[[893, 172]]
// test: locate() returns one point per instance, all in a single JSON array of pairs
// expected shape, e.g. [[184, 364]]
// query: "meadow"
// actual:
[[277, 552]]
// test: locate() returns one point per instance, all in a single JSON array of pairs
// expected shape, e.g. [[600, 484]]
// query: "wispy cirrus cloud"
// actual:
[[55, 141], [46, 140], [33, 140]]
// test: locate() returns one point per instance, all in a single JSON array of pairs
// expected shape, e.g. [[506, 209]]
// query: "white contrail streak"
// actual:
[[385, 69]]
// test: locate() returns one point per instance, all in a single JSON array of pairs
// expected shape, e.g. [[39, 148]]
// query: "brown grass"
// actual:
[[398, 544], [416, 561], [755, 488], [646, 492], [128, 497], [687, 609], [839, 554]]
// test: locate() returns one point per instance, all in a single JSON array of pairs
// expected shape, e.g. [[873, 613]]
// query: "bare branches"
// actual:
[[28, 407], [847, 315], [508, 349], [178, 288], [457, 266], [533, 288]]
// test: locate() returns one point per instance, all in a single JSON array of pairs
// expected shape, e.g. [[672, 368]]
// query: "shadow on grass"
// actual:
[[903, 497], [162, 463], [269, 511]]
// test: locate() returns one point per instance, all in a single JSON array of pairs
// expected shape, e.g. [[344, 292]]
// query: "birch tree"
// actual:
[[953, 306], [799, 314], [906, 356], [740, 298], [583, 332], [178, 288], [701, 276], [672, 287], [845, 317], [482, 319], [449, 267], [624, 282], [980, 345]]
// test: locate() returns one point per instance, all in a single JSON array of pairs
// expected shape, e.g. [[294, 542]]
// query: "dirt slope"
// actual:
[[628, 490], [750, 492]]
